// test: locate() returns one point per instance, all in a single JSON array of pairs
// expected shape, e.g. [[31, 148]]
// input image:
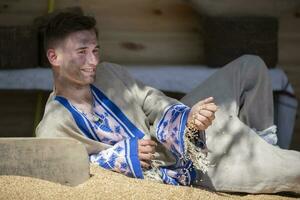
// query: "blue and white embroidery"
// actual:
[[170, 129], [170, 132], [112, 159], [121, 158], [113, 128], [184, 174]]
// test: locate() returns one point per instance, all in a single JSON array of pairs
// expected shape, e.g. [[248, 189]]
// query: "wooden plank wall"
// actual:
[[155, 32], [167, 31], [147, 31], [23, 12]]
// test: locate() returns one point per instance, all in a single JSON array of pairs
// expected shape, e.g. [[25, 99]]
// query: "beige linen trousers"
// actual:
[[240, 160]]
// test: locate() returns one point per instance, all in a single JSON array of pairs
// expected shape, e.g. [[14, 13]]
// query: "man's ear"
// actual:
[[53, 57]]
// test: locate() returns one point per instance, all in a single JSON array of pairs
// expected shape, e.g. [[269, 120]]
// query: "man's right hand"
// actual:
[[146, 152], [202, 114]]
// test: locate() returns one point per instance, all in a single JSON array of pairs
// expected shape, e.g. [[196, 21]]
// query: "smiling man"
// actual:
[[136, 130]]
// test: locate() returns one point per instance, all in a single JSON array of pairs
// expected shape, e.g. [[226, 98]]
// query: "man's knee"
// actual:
[[253, 62]]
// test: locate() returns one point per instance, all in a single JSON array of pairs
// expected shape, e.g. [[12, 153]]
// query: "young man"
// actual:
[[135, 130]]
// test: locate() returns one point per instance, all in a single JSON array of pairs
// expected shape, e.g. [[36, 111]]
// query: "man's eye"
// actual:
[[82, 51], [96, 51]]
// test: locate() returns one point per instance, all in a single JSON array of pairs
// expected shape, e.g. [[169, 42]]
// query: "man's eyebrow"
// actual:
[[84, 47], [81, 48]]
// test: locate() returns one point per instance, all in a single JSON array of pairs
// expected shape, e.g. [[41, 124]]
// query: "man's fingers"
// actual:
[[145, 165], [201, 126], [206, 113], [145, 142], [146, 156], [204, 120], [147, 149], [203, 113], [210, 106], [205, 101]]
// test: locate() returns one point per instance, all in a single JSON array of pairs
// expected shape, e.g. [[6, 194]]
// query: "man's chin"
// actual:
[[92, 80]]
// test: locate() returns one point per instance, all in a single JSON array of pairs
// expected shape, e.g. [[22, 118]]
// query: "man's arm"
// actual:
[[121, 157], [126, 157], [168, 118], [162, 110]]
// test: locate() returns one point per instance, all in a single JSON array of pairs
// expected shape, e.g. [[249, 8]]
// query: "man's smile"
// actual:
[[89, 70]]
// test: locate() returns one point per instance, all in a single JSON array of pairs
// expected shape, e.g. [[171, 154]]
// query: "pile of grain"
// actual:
[[104, 184]]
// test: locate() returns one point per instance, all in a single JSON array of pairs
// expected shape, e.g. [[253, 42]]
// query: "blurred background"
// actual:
[[170, 44]]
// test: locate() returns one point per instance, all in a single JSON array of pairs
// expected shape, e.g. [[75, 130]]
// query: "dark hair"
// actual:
[[60, 25]]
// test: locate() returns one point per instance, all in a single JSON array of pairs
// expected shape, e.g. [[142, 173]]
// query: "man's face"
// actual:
[[77, 58]]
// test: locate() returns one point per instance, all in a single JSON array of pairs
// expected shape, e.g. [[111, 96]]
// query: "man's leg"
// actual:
[[241, 161], [241, 88]]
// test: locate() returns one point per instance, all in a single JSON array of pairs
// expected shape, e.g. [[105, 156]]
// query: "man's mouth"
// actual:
[[89, 70]]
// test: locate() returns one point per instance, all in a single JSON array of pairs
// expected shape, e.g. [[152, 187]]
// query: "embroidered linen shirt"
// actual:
[[114, 128]]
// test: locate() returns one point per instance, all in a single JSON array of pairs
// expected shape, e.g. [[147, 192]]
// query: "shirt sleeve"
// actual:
[[152, 101], [171, 129], [171, 132], [121, 158]]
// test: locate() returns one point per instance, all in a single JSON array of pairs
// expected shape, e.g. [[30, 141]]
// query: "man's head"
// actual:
[[71, 45], [60, 25]]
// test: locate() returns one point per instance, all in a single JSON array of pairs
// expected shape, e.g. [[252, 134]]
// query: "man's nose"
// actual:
[[92, 59]]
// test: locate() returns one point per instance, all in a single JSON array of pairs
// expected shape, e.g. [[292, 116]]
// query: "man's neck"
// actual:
[[77, 94]]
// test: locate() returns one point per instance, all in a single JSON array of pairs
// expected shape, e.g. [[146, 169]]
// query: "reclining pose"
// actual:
[[219, 136]]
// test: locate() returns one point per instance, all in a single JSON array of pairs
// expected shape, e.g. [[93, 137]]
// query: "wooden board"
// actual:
[[150, 26], [148, 31], [23, 12], [15, 53], [18, 108], [61, 160], [150, 48]]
